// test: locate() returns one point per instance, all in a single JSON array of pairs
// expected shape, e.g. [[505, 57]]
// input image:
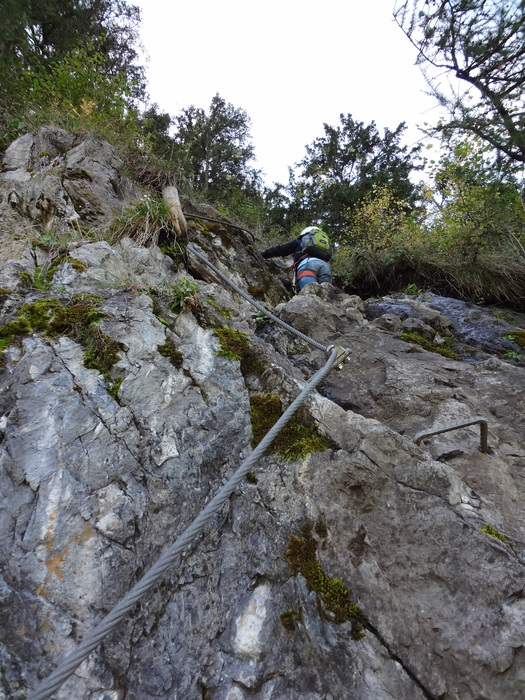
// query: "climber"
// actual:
[[311, 251]]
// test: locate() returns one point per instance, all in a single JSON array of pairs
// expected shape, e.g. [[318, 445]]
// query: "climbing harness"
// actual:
[[335, 356]]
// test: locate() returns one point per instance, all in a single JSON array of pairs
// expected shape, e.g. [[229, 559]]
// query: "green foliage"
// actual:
[[115, 388], [517, 337], [418, 339], [483, 45], [260, 319], [491, 531], [75, 94], [38, 280], [296, 439], [61, 62], [342, 167], [184, 297], [479, 208], [215, 150], [380, 221], [301, 555], [144, 221], [412, 289]]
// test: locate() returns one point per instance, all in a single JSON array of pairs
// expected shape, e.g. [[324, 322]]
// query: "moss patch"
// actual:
[[78, 320], [289, 618], [430, 346], [301, 555], [75, 264], [169, 351], [491, 531], [295, 440], [225, 313], [4, 294], [236, 345]]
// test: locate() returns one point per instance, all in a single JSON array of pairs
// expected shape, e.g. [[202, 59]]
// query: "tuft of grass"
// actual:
[[144, 222], [491, 531]]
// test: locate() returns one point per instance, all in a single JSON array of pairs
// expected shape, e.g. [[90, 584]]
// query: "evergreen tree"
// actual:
[[36, 35], [342, 166], [215, 149]]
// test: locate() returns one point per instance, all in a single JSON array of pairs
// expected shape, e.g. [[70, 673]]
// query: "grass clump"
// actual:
[[491, 531], [301, 555], [418, 339], [295, 441]]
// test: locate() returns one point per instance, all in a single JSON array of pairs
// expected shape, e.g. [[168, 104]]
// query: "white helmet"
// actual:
[[308, 229]]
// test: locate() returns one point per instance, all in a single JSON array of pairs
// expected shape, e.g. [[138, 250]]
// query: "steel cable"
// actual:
[[98, 633], [255, 303]]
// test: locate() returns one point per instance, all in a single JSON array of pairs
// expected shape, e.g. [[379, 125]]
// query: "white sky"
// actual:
[[291, 65]]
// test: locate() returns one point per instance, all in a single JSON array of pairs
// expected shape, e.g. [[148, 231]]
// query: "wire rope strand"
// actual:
[[255, 303], [98, 633]]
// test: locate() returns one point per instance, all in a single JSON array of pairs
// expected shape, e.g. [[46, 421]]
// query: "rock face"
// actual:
[[104, 463]]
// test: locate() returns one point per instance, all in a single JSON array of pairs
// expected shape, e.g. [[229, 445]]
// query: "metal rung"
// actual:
[[459, 424]]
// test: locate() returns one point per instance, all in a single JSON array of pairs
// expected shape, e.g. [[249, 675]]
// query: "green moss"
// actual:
[[75, 264], [4, 293], [295, 440], [517, 337], [78, 320], [81, 174], [236, 345], [289, 618], [250, 477], [169, 351], [226, 313], [301, 555], [430, 346], [492, 532]]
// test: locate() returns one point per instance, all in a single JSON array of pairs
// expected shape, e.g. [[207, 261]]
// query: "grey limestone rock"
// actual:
[[100, 472]]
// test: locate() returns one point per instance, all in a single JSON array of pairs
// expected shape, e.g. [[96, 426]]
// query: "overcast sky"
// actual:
[[291, 65]]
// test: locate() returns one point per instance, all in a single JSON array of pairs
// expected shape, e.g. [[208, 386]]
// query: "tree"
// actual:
[[476, 208], [215, 150], [35, 35], [482, 42], [342, 166]]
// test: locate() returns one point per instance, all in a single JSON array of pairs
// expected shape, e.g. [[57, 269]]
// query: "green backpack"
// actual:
[[316, 243]]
